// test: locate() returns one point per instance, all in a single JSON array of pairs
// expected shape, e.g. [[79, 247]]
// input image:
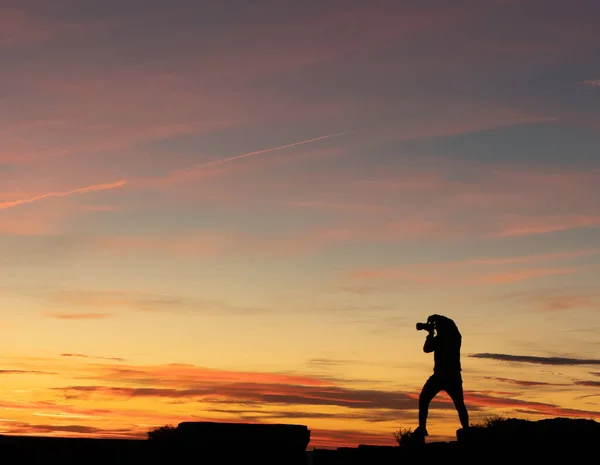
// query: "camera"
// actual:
[[425, 326]]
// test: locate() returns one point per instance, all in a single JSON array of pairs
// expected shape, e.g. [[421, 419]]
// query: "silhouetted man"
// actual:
[[445, 346]]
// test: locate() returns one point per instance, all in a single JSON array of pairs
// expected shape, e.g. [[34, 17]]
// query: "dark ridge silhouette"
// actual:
[[271, 444], [201, 442], [209, 443]]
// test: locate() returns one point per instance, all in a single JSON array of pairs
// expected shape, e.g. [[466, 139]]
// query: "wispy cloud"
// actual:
[[328, 362], [80, 316], [524, 383], [175, 376], [567, 302], [560, 361], [137, 301], [262, 394], [476, 271], [557, 299], [117, 359], [210, 243], [26, 372], [81, 190], [24, 428], [340, 207], [595, 384], [515, 276], [483, 399], [592, 83], [259, 152], [213, 169], [547, 225]]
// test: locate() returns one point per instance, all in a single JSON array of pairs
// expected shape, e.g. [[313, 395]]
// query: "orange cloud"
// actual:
[[485, 400], [525, 383], [180, 374], [332, 439]]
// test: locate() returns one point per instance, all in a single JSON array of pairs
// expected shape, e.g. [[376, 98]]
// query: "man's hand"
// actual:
[[429, 345]]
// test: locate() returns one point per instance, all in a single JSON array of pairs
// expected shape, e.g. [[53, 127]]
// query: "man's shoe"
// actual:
[[462, 433]]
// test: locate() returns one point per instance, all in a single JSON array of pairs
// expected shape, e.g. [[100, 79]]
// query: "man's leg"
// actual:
[[430, 389], [454, 388]]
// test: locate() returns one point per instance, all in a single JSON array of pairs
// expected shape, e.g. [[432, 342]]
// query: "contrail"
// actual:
[[258, 152], [81, 190]]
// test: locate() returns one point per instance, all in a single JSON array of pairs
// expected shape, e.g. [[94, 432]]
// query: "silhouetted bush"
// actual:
[[404, 436], [162, 433]]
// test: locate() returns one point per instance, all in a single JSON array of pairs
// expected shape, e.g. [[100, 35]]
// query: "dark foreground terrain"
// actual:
[[512, 441]]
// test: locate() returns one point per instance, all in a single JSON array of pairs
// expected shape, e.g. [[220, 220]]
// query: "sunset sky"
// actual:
[[237, 211]]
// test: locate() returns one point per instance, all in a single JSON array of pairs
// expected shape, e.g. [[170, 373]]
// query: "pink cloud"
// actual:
[[523, 274], [340, 207], [24, 28], [469, 272], [567, 302], [557, 300], [81, 190], [592, 83], [532, 226]]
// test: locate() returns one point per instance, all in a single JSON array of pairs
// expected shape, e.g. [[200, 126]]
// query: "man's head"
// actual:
[[442, 324]]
